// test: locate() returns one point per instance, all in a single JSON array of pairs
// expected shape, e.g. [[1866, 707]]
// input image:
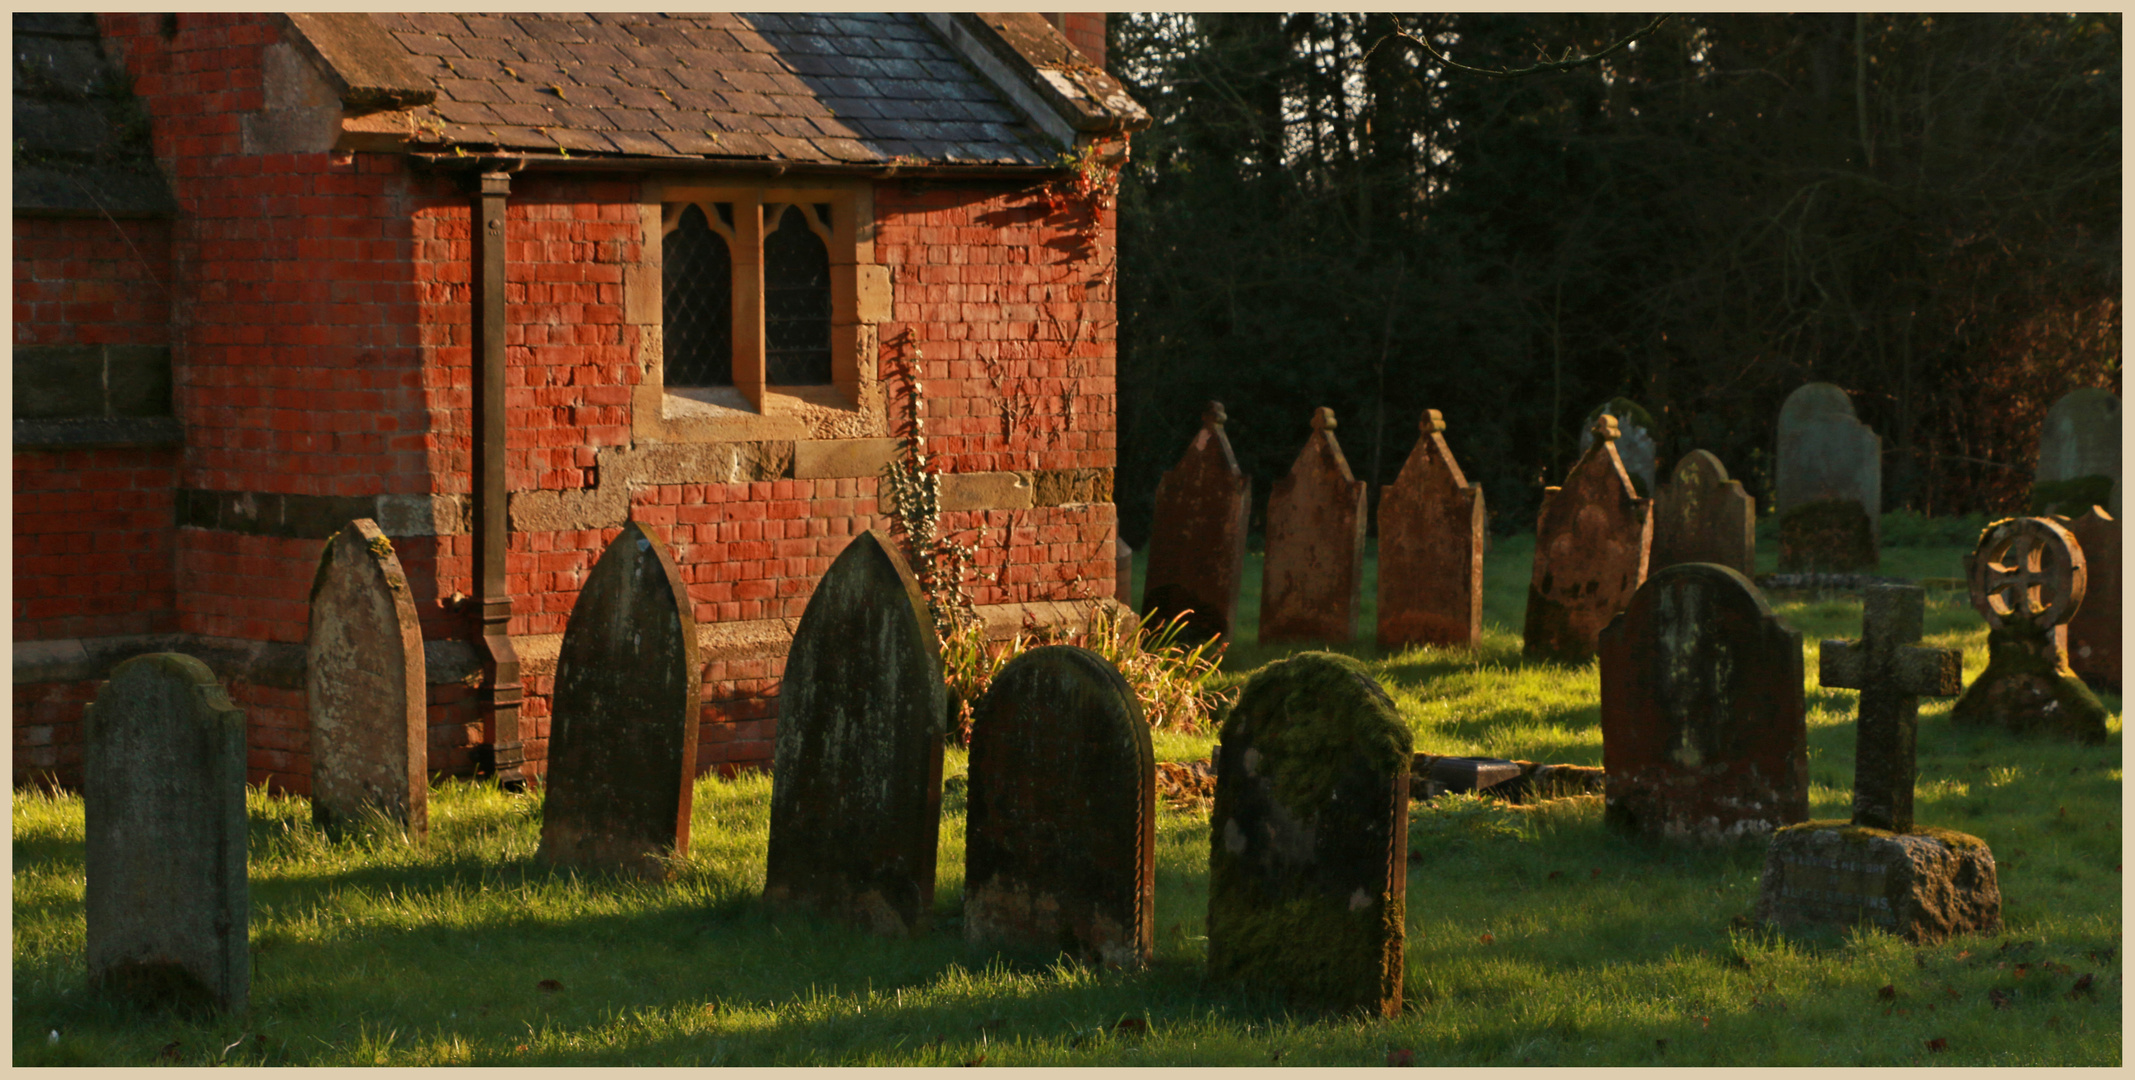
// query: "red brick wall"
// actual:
[[92, 281], [1086, 31]]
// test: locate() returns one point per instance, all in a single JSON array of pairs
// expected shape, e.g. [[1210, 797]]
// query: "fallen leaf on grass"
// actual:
[[1704, 1021], [2082, 987], [1964, 953], [1401, 1057], [1936, 1046], [2101, 956], [2022, 970], [1889, 991], [1487, 938], [548, 986]]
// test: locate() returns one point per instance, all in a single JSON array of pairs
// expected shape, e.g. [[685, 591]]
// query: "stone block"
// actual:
[[823, 459], [1925, 885]]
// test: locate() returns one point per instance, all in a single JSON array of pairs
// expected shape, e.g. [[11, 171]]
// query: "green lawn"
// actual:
[[1535, 936]]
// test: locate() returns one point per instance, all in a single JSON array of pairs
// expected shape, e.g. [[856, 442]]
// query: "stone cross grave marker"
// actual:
[[365, 686], [1635, 443], [1880, 868], [2079, 454], [856, 777], [1430, 549], [1312, 581], [164, 805], [2094, 630], [1308, 858], [1703, 729], [1060, 834], [2028, 576], [1591, 543], [623, 729], [1197, 541], [1829, 488], [1702, 516]]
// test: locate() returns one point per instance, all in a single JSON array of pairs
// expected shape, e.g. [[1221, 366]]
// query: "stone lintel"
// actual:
[[268, 663]]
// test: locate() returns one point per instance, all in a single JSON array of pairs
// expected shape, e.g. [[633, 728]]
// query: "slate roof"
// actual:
[[848, 88], [81, 137]]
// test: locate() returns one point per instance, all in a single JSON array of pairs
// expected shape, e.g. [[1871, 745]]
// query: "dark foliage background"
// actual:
[[1924, 210]]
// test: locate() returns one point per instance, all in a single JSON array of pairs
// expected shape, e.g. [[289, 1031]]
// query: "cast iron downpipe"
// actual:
[[501, 690]]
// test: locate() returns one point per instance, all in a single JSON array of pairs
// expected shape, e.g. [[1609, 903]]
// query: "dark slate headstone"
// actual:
[[1703, 733], [1829, 487], [1197, 540], [1636, 443], [2079, 454], [365, 686], [624, 716], [1312, 581], [1430, 549], [164, 798], [2094, 630], [1591, 544], [1308, 849], [1702, 516], [2028, 576], [1060, 830], [856, 779]]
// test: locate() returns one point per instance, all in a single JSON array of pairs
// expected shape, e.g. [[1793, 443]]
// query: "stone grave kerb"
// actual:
[[1429, 582], [1196, 562], [1892, 672], [366, 686], [1312, 578]]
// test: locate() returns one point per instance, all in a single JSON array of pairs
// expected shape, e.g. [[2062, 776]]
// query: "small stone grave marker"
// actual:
[[164, 805], [1829, 487], [1702, 516], [1060, 830], [1635, 442], [2094, 630], [2079, 454], [1313, 578], [1703, 729], [856, 776], [1430, 549], [1309, 838], [1881, 869], [1197, 541], [365, 686], [624, 716], [1591, 543], [2027, 577]]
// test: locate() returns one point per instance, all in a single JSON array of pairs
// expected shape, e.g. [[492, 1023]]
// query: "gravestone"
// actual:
[[1123, 572], [1703, 730], [1430, 549], [1060, 830], [1881, 869], [1309, 838], [1312, 581], [856, 777], [1591, 543], [624, 716], [163, 795], [2094, 630], [1197, 541], [1829, 487], [1636, 442], [1702, 516], [2027, 577], [2079, 455], [365, 686]]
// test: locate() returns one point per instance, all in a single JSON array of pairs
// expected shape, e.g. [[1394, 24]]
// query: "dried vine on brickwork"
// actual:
[[912, 486]]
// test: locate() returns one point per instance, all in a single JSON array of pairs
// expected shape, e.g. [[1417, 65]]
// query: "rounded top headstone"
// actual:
[[2081, 436], [1701, 467], [1817, 399]]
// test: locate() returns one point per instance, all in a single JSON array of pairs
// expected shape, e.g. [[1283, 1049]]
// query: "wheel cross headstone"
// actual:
[[1892, 673], [2029, 570], [2028, 578]]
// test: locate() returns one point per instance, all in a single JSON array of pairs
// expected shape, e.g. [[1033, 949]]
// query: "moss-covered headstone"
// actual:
[[2027, 578], [1592, 540], [1312, 582], [365, 687], [623, 730], [1197, 539], [1430, 549], [1829, 487], [1308, 846], [163, 792], [1060, 830], [856, 778]]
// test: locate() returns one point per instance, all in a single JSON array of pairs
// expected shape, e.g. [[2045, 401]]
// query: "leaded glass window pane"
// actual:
[[697, 279], [796, 304]]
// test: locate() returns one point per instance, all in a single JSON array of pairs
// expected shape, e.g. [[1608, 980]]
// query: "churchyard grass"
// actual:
[[1535, 936]]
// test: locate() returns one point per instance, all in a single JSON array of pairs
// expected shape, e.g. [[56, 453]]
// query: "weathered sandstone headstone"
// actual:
[[1060, 830], [365, 686], [624, 716], [2027, 577], [1636, 443], [1881, 869], [1829, 488], [1703, 733], [2094, 631], [1312, 581], [1309, 838], [1123, 572], [164, 800], [1591, 543], [2079, 455], [1702, 516], [1430, 549], [1197, 542], [856, 777]]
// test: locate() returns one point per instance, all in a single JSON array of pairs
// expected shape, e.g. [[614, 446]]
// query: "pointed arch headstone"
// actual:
[[1431, 523], [1828, 491], [1702, 516], [365, 686], [856, 777], [1591, 543], [1312, 581], [624, 716], [1197, 540]]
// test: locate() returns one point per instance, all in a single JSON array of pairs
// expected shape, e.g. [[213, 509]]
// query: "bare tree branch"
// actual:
[[1521, 73]]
